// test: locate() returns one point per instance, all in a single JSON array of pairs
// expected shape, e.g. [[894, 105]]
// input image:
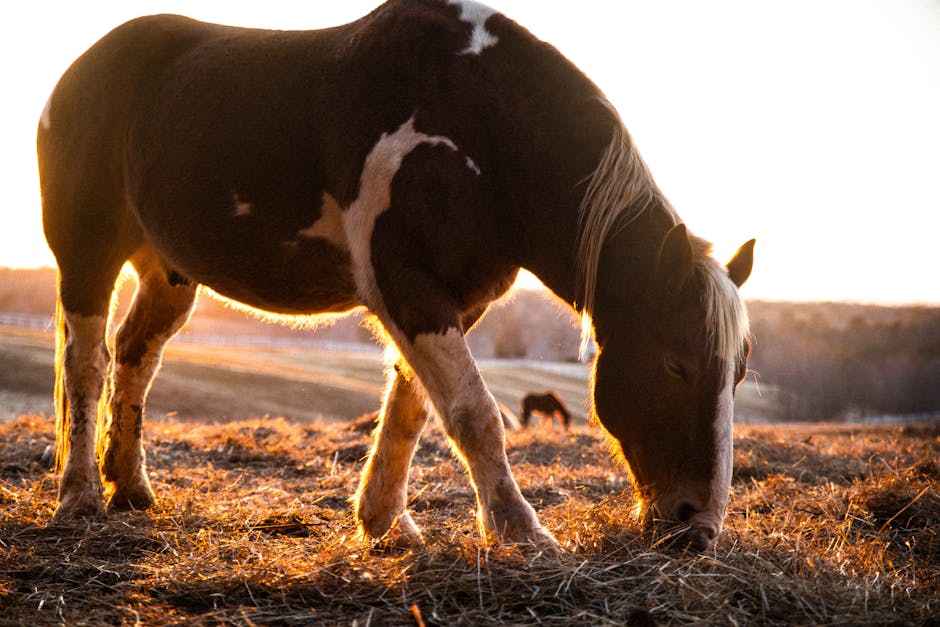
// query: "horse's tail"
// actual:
[[60, 400]]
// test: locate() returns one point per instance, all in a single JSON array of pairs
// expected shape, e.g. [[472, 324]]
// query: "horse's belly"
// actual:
[[260, 256], [315, 278]]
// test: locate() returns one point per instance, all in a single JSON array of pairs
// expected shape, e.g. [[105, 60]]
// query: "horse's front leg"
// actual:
[[381, 501], [473, 424]]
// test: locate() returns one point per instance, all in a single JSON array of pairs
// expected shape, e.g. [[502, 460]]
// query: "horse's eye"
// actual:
[[677, 370]]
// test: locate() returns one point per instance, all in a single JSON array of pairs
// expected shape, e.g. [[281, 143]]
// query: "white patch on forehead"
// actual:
[[375, 197], [329, 225], [46, 118], [242, 207], [476, 14]]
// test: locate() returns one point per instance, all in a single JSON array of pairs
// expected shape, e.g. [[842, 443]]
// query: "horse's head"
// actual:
[[665, 380]]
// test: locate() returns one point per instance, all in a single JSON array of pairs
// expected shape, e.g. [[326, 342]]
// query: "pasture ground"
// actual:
[[827, 525]]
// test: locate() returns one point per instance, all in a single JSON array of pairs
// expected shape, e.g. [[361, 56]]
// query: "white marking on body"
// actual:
[[375, 197], [442, 361], [242, 207], [329, 225], [476, 14], [46, 118], [473, 166]]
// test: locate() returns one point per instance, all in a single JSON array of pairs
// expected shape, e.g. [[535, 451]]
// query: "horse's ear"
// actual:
[[739, 268], [675, 259]]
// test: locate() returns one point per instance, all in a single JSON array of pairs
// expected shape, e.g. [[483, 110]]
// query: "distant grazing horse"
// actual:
[[548, 405], [409, 162]]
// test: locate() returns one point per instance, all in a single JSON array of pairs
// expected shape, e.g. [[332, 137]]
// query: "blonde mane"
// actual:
[[726, 315], [620, 189]]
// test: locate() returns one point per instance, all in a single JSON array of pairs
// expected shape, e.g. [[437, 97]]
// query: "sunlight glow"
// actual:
[[810, 126]]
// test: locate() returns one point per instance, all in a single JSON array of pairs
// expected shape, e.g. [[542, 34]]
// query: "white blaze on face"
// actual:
[[724, 448], [329, 225], [476, 14], [375, 197]]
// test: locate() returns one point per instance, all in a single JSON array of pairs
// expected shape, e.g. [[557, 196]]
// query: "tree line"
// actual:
[[835, 360]]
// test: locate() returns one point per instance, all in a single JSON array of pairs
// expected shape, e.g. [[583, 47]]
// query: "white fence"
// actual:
[[30, 321]]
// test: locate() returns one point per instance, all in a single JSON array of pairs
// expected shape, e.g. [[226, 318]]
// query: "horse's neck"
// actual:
[[628, 256], [560, 140], [548, 217], [626, 272]]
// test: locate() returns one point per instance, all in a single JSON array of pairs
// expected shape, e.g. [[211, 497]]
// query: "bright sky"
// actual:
[[812, 126]]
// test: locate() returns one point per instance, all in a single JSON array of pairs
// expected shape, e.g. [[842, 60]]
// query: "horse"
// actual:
[[409, 163], [547, 405]]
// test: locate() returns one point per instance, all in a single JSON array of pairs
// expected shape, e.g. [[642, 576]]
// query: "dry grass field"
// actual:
[[828, 524]]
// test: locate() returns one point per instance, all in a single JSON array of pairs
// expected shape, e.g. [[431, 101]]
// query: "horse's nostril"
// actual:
[[685, 512], [702, 537]]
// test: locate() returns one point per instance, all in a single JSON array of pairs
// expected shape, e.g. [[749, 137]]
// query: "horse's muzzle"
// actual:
[[702, 527], [703, 530]]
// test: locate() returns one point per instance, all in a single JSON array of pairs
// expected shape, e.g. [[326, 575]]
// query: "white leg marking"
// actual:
[[477, 14], [125, 460], [375, 184], [86, 363], [329, 225], [134, 380], [46, 118], [471, 417], [382, 499]]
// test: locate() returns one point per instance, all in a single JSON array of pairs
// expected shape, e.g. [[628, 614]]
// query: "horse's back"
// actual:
[[235, 153]]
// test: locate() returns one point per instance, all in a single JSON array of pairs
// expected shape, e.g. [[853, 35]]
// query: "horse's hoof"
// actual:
[[131, 499], [81, 505], [403, 534]]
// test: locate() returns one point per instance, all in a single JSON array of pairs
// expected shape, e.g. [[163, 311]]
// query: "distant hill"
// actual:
[[847, 361], [826, 360]]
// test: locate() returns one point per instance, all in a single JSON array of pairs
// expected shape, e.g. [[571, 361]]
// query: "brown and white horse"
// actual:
[[548, 405], [410, 163]]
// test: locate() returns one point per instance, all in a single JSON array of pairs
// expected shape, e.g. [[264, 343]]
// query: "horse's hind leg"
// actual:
[[381, 501], [85, 362], [159, 310], [81, 368]]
